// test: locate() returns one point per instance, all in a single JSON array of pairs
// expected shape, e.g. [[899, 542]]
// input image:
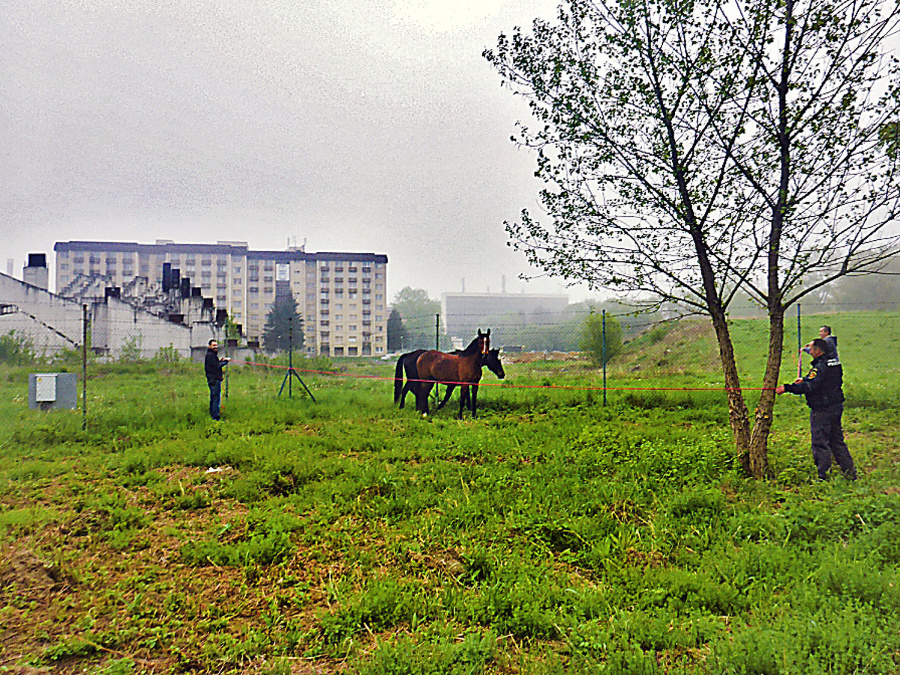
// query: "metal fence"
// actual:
[[535, 353]]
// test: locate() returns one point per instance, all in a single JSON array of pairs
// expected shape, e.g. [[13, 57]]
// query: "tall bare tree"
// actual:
[[695, 149]]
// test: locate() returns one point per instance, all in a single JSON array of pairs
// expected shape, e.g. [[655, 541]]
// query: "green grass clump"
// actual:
[[551, 534]]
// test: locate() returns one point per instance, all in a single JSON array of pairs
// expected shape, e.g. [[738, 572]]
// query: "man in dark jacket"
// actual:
[[825, 334], [831, 340], [825, 398], [213, 366]]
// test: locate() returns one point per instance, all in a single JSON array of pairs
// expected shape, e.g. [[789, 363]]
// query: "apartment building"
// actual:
[[342, 297]]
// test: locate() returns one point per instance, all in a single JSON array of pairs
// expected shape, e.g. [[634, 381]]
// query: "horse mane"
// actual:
[[473, 348]]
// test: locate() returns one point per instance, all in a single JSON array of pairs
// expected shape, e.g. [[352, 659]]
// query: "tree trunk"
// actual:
[[762, 425], [737, 407]]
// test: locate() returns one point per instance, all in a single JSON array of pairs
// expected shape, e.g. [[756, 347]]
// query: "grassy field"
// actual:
[[552, 534]]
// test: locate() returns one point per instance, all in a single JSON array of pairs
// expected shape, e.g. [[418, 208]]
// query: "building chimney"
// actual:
[[503, 283], [10, 266], [463, 284], [35, 272]]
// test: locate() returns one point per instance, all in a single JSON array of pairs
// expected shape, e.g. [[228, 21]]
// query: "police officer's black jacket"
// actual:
[[822, 386], [213, 367]]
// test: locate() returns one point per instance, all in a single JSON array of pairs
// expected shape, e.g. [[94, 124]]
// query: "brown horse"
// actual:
[[406, 364], [463, 369]]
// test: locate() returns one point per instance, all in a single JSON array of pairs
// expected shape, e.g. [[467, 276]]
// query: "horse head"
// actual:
[[485, 340], [492, 361]]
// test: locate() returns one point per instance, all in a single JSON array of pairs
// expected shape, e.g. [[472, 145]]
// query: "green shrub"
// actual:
[[383, 603], [16, 349], [840, 638], [442, 656]]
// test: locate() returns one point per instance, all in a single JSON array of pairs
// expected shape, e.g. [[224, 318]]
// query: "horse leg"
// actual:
[[422, 396], [463, 397], [450, 388], [474, 400], [408, 387], [412, 375]]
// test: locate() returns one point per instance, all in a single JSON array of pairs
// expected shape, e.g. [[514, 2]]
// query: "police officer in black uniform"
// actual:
[[822, 388]]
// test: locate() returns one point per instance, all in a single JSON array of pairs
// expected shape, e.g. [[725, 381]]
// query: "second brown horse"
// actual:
[[463, 369]]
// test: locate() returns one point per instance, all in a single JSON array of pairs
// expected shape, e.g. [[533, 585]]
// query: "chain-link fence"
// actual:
[[605, 351]]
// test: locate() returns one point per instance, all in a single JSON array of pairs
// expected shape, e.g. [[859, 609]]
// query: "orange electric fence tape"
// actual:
[[507, 385]]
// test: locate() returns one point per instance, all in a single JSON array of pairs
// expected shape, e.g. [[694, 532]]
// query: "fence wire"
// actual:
[[655, 353]]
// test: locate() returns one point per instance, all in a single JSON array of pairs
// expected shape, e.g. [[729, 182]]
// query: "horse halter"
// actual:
[[485, 339]]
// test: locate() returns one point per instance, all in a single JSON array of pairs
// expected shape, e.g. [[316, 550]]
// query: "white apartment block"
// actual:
[[342, 297]]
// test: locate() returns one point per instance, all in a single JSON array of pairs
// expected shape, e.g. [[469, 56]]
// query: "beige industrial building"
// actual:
[[342, 297]]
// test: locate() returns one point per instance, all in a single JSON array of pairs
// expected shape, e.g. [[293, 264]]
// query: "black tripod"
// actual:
[[290, 371]]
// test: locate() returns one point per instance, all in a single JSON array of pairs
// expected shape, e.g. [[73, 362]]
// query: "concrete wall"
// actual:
[[49, 322], [120, 331], [52, 323]]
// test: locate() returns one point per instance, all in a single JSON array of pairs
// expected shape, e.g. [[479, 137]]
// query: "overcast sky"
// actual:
[[355, 126], [352, 125]]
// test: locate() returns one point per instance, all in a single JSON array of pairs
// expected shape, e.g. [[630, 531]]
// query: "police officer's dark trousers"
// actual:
[[828, 439]]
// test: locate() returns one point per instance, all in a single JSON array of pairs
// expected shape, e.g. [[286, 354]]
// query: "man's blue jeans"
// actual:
[[215, 399]]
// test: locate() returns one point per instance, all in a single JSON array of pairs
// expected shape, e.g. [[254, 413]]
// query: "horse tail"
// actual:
[[398, 378]]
